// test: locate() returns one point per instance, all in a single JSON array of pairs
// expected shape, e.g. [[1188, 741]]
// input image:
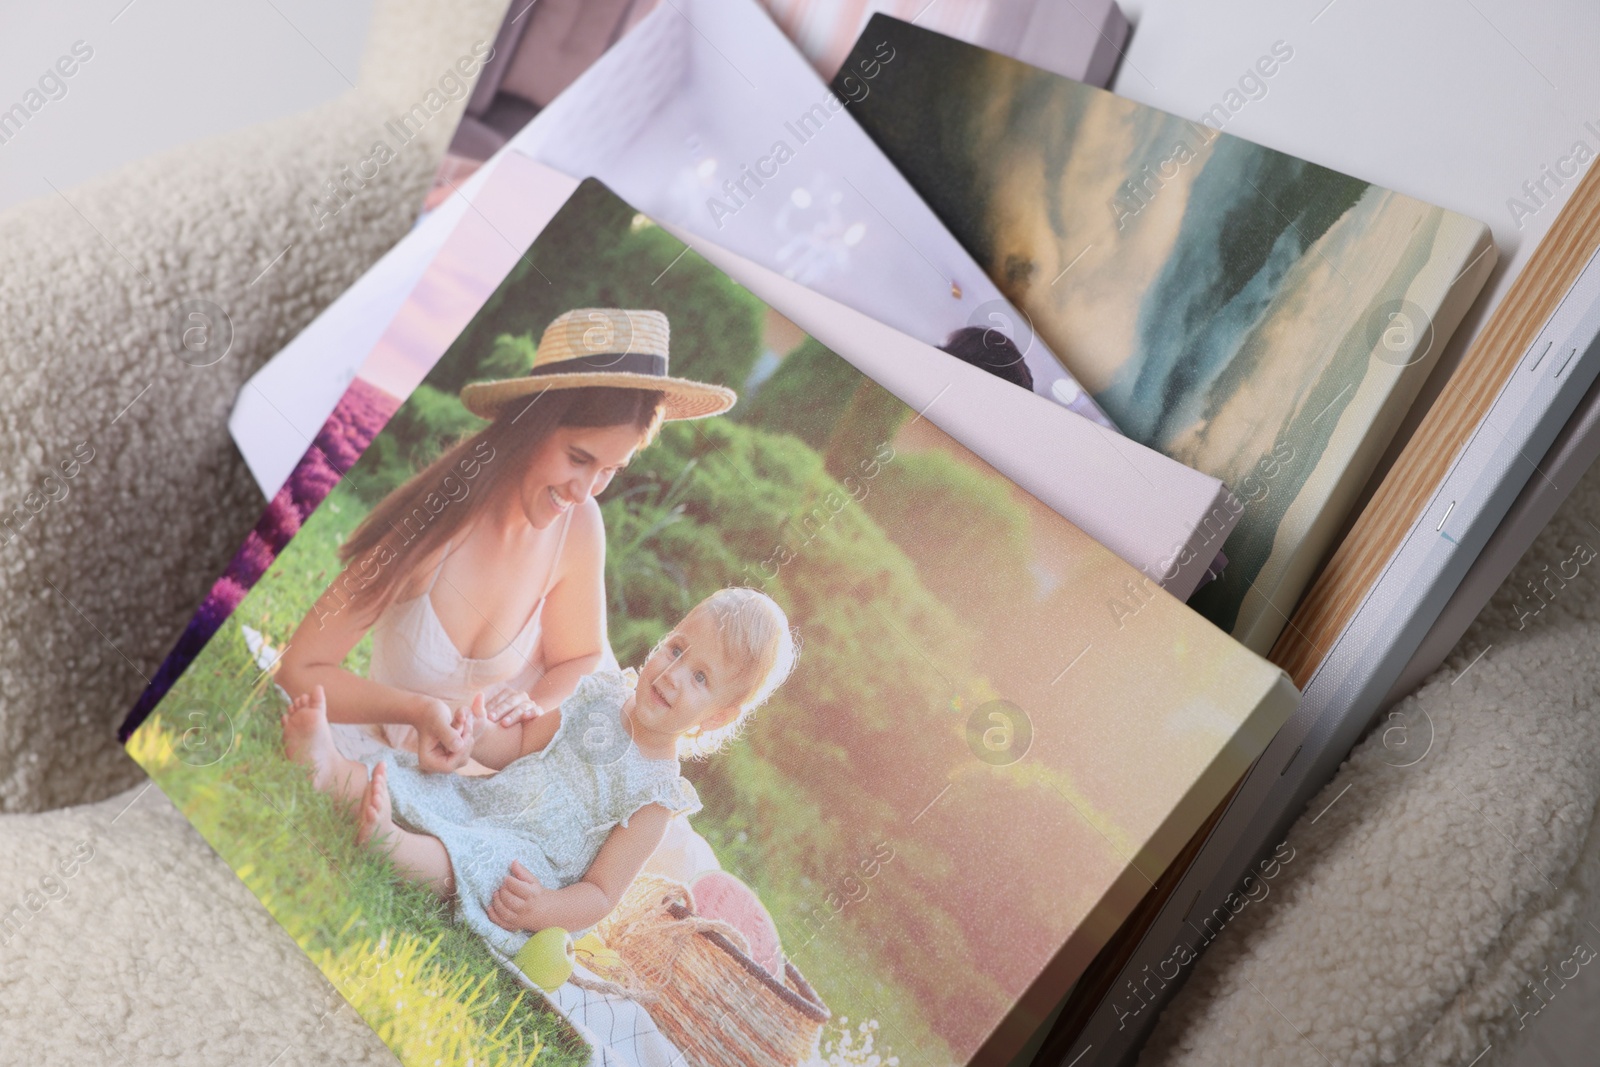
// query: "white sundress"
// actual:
[[412, 651], [551, 809]]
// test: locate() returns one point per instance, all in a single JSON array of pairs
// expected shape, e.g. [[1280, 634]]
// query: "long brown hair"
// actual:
[[403, 528]]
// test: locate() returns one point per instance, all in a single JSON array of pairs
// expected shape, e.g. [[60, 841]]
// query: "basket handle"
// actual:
[[802, 998]]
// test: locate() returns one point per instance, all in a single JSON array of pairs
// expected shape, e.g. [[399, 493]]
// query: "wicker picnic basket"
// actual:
[[695, 977]]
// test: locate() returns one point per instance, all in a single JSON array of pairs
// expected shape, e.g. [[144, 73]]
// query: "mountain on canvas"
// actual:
[[1255, 316]]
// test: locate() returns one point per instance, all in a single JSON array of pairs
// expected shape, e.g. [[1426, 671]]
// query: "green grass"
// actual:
[[427, 985]]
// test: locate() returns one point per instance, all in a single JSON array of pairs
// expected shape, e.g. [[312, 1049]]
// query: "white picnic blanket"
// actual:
[[618, 1030]]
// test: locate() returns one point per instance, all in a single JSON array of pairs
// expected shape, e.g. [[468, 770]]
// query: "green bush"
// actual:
[[805, 396], [511, 356], [716, 323], [428, 423]]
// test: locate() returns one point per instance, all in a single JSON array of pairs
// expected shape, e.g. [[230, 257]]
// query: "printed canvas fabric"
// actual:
[[1255, 316], [993, 734]]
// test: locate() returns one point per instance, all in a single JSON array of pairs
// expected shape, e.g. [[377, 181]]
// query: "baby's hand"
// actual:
[[516, 904], [453, 752], [512, 706]]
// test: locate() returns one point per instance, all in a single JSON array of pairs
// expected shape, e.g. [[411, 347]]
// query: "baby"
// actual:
[[582, 795]]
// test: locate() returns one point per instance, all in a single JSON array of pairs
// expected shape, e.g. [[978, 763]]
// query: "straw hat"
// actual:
[[606, 347]]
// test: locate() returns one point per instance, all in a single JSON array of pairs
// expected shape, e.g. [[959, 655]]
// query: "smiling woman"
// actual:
[[502, 595]]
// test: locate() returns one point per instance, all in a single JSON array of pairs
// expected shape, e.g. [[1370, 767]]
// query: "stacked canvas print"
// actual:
[[757, 155], [1257, 317], [932, 679]]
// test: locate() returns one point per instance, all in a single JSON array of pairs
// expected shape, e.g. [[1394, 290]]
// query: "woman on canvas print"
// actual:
[[483, 573], [582, 795]]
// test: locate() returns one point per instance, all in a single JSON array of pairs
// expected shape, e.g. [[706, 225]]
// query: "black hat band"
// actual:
[[650, 363]]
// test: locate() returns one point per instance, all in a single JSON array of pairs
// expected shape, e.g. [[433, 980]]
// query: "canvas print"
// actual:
[[674, 127], [541, 49], [760, 157], [1258, 317], [658, 689], [1146, 526]]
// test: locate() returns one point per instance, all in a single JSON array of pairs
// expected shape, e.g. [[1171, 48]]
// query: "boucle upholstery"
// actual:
[[95, 586], [1422, 903]]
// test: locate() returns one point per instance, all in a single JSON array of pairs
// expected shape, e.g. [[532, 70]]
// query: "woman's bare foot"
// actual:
[[308, 741], [376, 814]]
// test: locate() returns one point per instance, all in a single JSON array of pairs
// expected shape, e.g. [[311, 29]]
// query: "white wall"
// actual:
[[162, 72]]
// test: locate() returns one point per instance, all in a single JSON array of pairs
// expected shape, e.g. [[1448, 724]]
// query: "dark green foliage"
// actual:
[[716, 323], [426, 424], [820, 398], [866, 428], [511, 356], [806, 394]]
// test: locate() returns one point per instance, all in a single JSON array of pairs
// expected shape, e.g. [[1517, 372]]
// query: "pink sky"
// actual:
[[510, 210]]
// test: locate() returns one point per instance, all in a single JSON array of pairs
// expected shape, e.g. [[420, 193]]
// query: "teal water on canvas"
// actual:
[[1230, 260], [1217, 297]]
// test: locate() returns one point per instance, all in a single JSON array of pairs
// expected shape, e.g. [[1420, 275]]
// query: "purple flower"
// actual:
[[361, 413]]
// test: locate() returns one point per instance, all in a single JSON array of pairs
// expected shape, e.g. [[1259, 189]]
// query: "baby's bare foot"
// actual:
[[376, 815], [307, 739]]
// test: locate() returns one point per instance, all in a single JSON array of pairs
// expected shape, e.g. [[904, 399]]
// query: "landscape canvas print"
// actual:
[[1255, 316], [927, 741]]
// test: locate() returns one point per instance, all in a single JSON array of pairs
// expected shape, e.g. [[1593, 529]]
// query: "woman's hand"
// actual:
[[512, 706], [517, 904], [441, 744], [471, 721], [467, 724]]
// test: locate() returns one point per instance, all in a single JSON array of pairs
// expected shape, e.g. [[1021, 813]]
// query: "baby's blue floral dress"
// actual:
[[551, 809]]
